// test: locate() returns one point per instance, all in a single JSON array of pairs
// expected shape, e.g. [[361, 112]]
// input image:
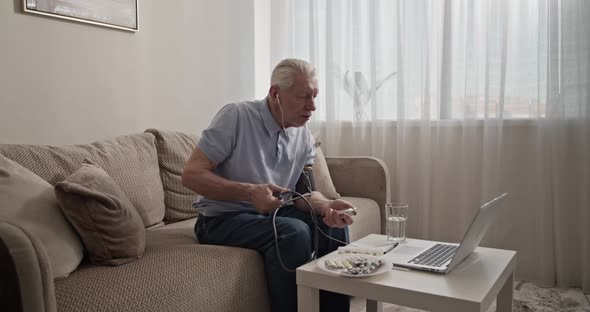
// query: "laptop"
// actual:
[[443, 257]]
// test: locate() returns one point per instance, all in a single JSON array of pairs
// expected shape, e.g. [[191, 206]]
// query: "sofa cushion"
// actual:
[[29, 203], [130, 160], [111, 229], [321, 174], [184, 224], [175, 274], [367, 220], [174, 150]]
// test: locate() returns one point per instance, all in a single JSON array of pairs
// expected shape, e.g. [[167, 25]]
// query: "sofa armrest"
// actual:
[[366, 177], [27, 283]]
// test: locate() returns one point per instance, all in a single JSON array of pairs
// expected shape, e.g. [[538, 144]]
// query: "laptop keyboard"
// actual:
[[435, 256]]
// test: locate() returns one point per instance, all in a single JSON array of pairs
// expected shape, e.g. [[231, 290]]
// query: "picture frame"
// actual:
[[118, 14]]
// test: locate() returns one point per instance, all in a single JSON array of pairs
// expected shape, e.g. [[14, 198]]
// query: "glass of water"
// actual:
[[397, 214]]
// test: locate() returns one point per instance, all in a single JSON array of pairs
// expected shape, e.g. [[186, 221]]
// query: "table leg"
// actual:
[[504, 299], [308, 299], [374, 306]]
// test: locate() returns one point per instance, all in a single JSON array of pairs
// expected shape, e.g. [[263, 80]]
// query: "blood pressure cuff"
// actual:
[[306, 182]]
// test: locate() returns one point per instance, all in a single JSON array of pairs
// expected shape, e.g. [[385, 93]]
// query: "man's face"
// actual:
[[298, 101]]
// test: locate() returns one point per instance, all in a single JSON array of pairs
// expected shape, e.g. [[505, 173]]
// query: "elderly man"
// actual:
[[245, 165]]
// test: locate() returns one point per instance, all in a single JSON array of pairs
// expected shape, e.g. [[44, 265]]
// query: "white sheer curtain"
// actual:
[[463, 100]]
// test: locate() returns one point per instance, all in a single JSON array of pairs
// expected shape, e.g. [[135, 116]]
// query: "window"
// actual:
[[389, 60]]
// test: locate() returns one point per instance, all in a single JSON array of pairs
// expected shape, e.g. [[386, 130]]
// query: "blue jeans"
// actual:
[[296, 234]]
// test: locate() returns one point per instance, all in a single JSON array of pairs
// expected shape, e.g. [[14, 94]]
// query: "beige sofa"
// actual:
[[176, 273]]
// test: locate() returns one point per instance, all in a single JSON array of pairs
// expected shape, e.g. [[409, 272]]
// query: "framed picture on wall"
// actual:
[[120, 14]]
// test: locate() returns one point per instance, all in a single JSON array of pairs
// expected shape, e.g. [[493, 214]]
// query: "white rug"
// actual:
[[527, 298]]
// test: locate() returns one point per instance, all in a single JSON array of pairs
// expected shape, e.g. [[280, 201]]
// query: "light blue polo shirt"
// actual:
[[249, 146]]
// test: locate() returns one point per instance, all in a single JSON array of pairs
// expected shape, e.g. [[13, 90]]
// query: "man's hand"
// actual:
[[261, 197], [332, 215]]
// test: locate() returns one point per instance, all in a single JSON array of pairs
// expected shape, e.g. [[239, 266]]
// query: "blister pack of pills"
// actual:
[[354, 265]]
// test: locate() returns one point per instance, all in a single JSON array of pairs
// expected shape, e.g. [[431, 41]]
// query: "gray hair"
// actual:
[[284, 73]]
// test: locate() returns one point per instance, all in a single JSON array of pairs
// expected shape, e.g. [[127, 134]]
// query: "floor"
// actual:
[[527, 298]]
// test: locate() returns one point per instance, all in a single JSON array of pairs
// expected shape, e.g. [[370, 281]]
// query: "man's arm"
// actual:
[[198, 176], [327, 208]]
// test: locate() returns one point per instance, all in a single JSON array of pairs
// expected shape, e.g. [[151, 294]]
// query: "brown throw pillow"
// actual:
[[109, 225]]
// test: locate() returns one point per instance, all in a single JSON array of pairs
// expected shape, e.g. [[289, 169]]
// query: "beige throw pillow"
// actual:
[[29, 203], [110, 227], [321, 174]]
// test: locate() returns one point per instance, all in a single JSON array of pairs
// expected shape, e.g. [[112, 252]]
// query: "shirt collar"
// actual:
[[272, 127]]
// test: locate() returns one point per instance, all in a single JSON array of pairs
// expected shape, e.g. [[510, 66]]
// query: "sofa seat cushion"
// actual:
[[184, 224], [131, 161], [175, 274], [367, 220]]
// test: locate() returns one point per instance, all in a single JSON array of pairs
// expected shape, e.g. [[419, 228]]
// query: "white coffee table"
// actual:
[[484, 276]]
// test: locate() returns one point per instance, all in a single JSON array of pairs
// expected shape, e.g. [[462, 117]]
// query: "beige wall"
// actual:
[[64, 82]]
